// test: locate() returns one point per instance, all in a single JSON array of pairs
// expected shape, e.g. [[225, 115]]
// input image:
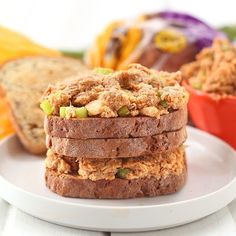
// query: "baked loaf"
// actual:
[[116, 135], [23, 82]]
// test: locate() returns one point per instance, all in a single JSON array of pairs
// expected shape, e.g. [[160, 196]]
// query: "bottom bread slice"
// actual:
[[71, 186]]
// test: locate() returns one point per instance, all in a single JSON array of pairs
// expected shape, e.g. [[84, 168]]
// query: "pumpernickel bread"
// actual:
[[71, 186], [122, 127], [117, 148]]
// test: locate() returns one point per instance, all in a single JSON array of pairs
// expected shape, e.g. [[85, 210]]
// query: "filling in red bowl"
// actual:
[[211, 82]]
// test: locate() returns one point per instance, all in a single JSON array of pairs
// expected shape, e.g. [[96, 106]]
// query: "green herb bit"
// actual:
[[164, 103], [158, 94], [103, 71], [123, 111], [81, 112], [122, 172], [47, 107]]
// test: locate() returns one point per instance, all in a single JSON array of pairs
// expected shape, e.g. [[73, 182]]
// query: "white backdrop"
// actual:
[[72, 24]]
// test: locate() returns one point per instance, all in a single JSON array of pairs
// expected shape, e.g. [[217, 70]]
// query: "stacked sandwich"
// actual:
[[116, 134]]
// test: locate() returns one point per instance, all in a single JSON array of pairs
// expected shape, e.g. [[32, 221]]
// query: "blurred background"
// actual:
[[73, 24]]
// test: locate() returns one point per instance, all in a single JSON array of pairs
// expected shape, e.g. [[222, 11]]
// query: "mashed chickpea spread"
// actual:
[[214, 70], [104, 93], [158, 166]]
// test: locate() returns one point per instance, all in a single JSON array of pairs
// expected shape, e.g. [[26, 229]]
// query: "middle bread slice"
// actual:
[[125, 127], [117, 147]]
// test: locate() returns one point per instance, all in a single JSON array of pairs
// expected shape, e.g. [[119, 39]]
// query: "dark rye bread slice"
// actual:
[[121, 127], [117, 148], [71, 186]]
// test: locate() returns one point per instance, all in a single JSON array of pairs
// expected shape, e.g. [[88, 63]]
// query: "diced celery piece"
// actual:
[[81, 112], [104, 71], [154, 76], [197, 85], [63, 111], [56, 94], [164, 103], [123, 111], [158, 94], [47, 107], [122, 172]]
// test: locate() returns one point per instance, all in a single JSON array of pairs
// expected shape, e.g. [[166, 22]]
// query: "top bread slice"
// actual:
[[118, 127], [23, 82]]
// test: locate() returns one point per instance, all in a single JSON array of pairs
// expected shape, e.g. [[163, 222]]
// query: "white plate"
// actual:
[[211, 185]]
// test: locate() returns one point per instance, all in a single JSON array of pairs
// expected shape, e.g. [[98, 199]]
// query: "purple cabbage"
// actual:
[[196, 30]]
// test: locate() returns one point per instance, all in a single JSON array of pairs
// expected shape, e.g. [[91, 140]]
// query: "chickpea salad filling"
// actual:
[[214, 70], [137, 91], [159, 166]]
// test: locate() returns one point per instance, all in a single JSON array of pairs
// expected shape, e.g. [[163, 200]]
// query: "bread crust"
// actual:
[[71, 186], [117, 148], [120, 127], [38, 148]]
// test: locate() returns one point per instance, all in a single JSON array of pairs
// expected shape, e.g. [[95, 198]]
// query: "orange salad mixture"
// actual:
[[214, 70]]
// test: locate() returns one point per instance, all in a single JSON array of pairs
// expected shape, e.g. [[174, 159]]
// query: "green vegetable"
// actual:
[[154, 76], [81, 112], [197, 85], [47, 107], [123, 111], [122, 172], [63, 112], [103, 71], [230, 31], [158, 94], [74, 54], [164, 103], [56, 95]]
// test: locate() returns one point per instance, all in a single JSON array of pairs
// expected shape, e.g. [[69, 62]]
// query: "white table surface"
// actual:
[[14, 222]]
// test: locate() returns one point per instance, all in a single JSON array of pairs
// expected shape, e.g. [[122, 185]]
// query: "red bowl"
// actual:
[[217, 117]]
